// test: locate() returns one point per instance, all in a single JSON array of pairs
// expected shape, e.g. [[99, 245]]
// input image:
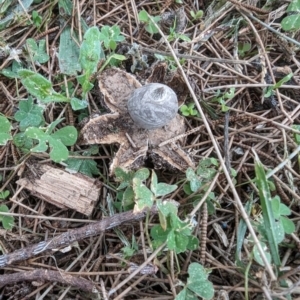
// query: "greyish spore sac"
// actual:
[[152, 106]]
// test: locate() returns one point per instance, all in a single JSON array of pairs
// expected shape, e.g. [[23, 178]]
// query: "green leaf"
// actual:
[[165, 189], [37, 19], [143, 196], [154, 182], [142, 174], [230, 94], [29, 114], [5, 128], [242, 227], [283, 80], [35, 84], [124, 180], [4, 194], [256, 254], [84, 81], [276, 207], [182, 295], [112, 45], [204, 289], [55, 97], [184, 38], [184, 110], [284, 210], [22, 142], [279, 229], [167, 207], [78, 104], [90, 50], [68, 53], [193, 243], [198, 283], [82, 165], [288, 225], [67, 135], [12, 72], [37, 51], [268, 216], [124, 177], [296, 136], [195, 182], [158, 233], [181, 243], [291, 23], [143, 16], [52, 125], [7, 221], [56, 141], [197, 272], [128, 198], [58, 152]]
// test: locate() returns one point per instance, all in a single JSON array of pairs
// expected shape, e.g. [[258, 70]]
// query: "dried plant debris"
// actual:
[[136, 144], [64, 190]]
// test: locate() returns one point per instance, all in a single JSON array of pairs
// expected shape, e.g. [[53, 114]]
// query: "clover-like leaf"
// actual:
[[12, 72], [257, 255], [29, 114], [59, 151], [5, 128], [193, 243], [142, 174], [78, 104], [198, 282], [7, 221], [143, 196], [177, 241], [165, 189], [124, 177], [195, 181], [196, 273], [57, 141], [167, 207], [37, 51], [4, 194], [82, 165], [67, 135], [288, 225], [158, 233]]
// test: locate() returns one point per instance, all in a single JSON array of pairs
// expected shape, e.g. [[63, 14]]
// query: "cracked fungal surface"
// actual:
[[136, 144]]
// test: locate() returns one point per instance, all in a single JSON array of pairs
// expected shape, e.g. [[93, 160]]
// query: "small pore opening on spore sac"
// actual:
[[158, 93]]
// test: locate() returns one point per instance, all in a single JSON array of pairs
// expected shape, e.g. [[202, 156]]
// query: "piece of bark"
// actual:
[[62, 189]]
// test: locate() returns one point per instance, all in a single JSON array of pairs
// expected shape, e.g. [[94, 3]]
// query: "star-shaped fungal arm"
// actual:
[[118, 128]]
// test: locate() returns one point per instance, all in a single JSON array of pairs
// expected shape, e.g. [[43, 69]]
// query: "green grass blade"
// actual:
[[241, 232], [265, 200]]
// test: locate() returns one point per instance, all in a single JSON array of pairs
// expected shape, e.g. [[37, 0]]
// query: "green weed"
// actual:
[[149, 26], [196, 15], [197, 284], [7, 221], [189, 110], [136, 195]]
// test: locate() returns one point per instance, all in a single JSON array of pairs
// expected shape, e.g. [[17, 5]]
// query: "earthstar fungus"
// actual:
[[136, 144]]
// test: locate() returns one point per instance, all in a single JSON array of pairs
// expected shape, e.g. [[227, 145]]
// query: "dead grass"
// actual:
[[212, 63]]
